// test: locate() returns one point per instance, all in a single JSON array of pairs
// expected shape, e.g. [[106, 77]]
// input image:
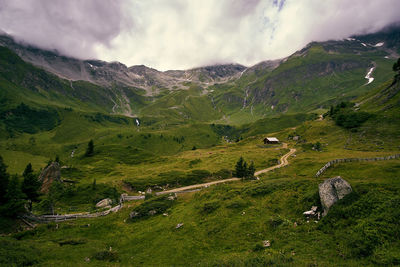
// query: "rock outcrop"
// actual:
[[104, 203], [50, 174], [332, 190]]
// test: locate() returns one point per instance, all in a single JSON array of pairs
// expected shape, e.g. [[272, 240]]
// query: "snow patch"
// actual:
[[137, 122], [386, 57], [369, 77], [379, 44], [364, 44], [90, 65], [350, 39]]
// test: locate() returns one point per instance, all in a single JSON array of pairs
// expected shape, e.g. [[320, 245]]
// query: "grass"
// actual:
[[224, 225]]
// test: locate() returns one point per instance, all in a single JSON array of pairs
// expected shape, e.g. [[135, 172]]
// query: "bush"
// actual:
[[210, 206], [72, 242], [159, 204], [194, 162], [15, 253], [237, 204], [106, 255], [344, 116], [222, 174], [28, 120], [262, 189]]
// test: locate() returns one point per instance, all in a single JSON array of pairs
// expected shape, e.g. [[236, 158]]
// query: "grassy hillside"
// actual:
[[226, 224], [312, 78]]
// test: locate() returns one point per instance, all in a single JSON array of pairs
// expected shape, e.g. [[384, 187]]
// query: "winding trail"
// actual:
[[185, 189], [283, 162]]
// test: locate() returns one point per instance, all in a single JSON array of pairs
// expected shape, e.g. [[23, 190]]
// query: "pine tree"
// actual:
[[94, 184], [90, 149], [251, 170], [30, 185], [396, 65], [245, 170], [240, 171], [4, 178], [15, 198]]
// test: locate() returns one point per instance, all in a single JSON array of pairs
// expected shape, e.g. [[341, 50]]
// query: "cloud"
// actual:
[[181, 34], [72, 27]]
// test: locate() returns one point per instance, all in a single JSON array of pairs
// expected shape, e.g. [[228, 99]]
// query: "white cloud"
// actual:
[[180, 34]]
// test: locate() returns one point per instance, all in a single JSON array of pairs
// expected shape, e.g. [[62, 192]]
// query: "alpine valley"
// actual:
[[105, 165]]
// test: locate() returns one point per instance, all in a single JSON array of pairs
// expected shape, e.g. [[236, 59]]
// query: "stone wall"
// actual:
[[336, 161]]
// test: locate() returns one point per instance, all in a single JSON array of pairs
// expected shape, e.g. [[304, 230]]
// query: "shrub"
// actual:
[[159, 204], [222, 174], [106, 255], [210, 206], [72, 242], [344, 116], [15, 253], [194, 162], [237, 204]]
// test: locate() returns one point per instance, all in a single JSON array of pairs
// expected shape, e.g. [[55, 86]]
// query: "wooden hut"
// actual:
[[271, 140]]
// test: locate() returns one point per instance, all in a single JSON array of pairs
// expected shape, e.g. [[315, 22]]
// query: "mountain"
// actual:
[[114, 73], [310, 80]]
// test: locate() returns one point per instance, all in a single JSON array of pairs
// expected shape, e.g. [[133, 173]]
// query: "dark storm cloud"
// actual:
[[72, 27]]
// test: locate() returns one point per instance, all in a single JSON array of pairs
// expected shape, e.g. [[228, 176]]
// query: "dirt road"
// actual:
[[283, 161]]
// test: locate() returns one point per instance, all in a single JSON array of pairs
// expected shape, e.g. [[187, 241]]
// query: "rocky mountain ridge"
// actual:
[[110, 73]]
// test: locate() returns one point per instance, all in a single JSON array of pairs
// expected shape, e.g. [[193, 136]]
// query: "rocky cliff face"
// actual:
[[110, 73], [50, 174]]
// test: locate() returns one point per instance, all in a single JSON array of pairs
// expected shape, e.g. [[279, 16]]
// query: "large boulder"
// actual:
[[50, 174], [104, 203], [332, 190]]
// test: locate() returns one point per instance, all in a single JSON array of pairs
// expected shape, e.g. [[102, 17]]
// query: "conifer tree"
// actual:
[[239, 169], [251, 170], [4, 177], [15, 198], [30, 185], [90, 149], [396, 65], [245, 170]]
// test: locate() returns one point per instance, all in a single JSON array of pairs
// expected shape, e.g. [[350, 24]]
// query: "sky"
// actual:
[[183, 34]]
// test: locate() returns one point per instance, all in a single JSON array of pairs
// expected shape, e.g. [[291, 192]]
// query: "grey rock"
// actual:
[[312, 214], [266, 243], [152, 212], [104, 203], [172, 197], [134, 214], [179, 225], [332, 190]]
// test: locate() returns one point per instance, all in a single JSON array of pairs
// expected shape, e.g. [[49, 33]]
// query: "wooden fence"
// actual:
[[336, 161]]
